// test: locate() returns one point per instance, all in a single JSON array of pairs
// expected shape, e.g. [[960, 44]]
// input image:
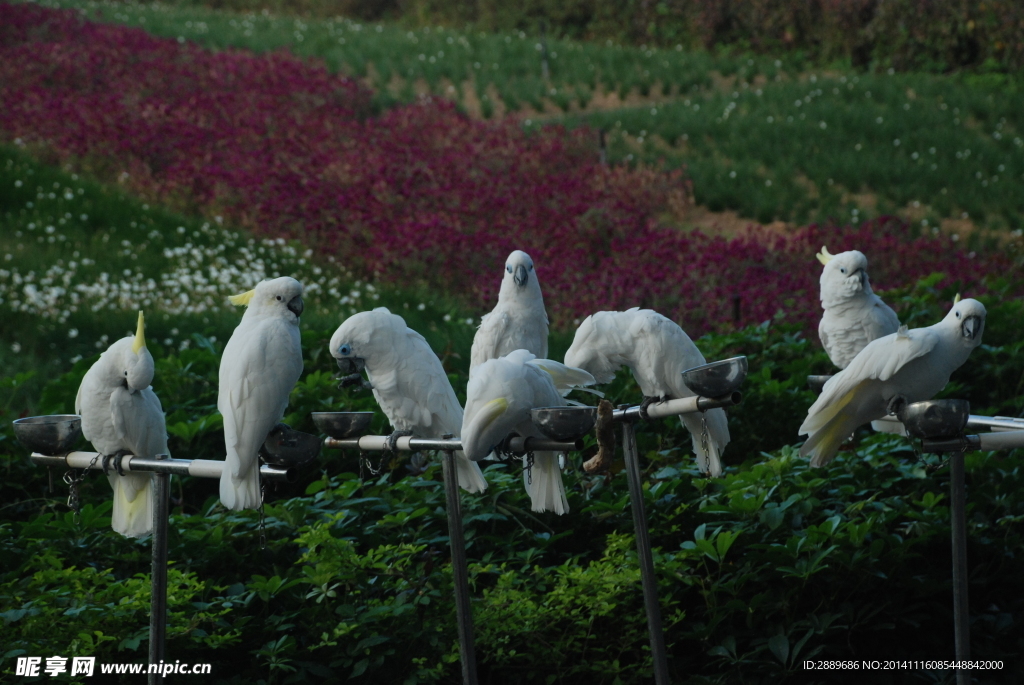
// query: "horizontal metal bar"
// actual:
[[685, 405], [517, 445], [1002, 440], [977, 422], [199, 468]]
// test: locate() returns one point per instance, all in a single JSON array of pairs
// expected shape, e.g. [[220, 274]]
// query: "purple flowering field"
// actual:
[[419, 195]]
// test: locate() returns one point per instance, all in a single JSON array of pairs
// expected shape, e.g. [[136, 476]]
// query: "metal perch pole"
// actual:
[[460, 567], [628, 416], [158, 575], [162, 468], [643, 547]]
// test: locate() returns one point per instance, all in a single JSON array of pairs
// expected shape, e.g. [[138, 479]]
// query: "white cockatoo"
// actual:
[[657, 351], [408, 381], [519, 321], [499, 397], [122, 415], [261, 364], [912, 365], [854, 316]]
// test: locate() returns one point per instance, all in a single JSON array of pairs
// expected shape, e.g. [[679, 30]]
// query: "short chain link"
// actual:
[[72, 480]]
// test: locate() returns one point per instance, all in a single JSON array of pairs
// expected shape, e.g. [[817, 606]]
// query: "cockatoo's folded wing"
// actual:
[[257, 386], [880, 360], [494, 327]]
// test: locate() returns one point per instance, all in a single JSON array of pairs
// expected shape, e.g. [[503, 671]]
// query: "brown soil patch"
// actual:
[[729, 224]]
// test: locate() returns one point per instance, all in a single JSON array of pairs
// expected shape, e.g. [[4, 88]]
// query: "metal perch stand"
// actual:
[[460, 569], [940, 425], [718, 378], [48, 436]]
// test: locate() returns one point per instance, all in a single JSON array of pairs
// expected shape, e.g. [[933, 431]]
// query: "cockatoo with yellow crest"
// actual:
[[854, 316], [122, 415], [657, 351], [909, 365], [408, 381], [499, 397], [519, 320], [261, 364]]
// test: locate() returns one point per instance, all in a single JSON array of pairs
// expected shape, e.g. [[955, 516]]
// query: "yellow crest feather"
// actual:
[[824, 257], [243, 299], [956, 299], [140, 334]]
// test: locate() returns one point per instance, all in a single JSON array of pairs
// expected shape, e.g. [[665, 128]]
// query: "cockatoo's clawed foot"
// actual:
[[354, 379], [106, 463], [117, 458], [392, 440], [896, 404], [648, 401]]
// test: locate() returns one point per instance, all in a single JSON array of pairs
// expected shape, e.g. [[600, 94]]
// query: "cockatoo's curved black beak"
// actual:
[[971, 327], [295, 305], [521, 276], [350, 365]]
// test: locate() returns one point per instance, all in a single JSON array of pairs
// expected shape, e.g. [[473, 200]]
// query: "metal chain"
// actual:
[[72, 480], [369, 465], [528, 467], [704, 439]]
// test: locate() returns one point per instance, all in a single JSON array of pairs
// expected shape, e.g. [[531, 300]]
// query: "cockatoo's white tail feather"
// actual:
[[471, 478], [131, 517], [240, 493], [544, 484], [709, 462], [566, 378]]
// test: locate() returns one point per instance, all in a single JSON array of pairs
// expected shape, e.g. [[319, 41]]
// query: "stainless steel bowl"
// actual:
[[342, 424], [935, 418], [288, 448], [50, 435], [564, 424], [717, 378]]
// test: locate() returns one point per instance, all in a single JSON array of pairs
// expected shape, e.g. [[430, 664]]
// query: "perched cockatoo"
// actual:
[[657, 351], [519, 321], [122, 415], [912, 365], [408, 381], [499, 398], [262, 362], [854, 316]]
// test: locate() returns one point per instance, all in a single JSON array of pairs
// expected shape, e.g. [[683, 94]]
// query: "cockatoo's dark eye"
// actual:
[[508, 268], [842, 271], [958, 315], [126, 373], [345, 350], [531, 267], [278, 298]]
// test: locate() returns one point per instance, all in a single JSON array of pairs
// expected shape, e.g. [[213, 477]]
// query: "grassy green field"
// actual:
[[771, 140]]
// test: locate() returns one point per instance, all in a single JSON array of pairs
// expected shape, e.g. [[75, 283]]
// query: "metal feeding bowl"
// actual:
[[564, 424], [935, 418], [717, 378], [342, 424], [288, 448], [50, 435]]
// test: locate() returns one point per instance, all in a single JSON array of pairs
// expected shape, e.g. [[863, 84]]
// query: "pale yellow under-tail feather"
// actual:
[[823, 417], [133, 519]]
